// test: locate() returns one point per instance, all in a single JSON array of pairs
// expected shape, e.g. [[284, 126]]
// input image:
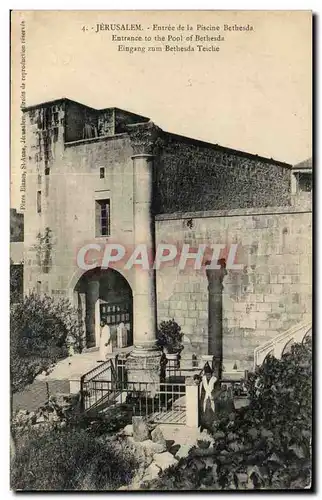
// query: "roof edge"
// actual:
[[229, 150]]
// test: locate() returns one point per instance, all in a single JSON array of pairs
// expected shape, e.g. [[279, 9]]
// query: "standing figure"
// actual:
[[207, 395], [105, 346], [121, 335]]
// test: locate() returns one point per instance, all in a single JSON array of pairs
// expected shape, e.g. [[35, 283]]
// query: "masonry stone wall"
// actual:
[[68, 177], [193, 175], [271, 293]]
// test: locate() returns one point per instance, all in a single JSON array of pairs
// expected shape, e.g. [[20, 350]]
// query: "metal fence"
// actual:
[[108, 385], [161, 402]]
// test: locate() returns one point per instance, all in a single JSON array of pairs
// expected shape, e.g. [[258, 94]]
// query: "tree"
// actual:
[[40, 330]]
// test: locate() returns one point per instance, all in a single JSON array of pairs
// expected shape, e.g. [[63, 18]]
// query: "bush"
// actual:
[[169, 336], [40, 330], [266, 445], [70, 458]]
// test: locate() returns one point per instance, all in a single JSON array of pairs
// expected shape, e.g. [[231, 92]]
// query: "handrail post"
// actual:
[[192, 402], [82, 402]]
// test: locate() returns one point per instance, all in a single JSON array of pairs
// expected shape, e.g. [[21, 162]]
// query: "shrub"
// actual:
[[70, 458], [266, 445], [169, 336], [40, 329]]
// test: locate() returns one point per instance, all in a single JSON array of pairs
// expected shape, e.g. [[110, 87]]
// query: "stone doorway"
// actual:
[[104, 295]]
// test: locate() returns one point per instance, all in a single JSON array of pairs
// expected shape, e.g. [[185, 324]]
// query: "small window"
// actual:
[[38, 287], [47, 170], [102, 209], [38, 202], [102, 172], [305, 182]]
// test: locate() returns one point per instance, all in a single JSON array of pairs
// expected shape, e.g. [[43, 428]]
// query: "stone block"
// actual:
[[264, 307], [278, 308], [240, 306], [272, 297], [183, 451], [249, 323], [152, 447], [275, 324], [152, 472], [203, 315], [262, 325], [157, 436], [284, 278], [260, 315], [164, 460], [140, 429], [128, 430], [190, 321]]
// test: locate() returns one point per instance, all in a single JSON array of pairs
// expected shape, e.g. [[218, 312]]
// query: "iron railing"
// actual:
[[180, 369], [107, 385], [90, 382], [159, 402]]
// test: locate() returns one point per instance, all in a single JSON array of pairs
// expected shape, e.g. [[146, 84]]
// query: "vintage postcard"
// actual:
[[161, 250]]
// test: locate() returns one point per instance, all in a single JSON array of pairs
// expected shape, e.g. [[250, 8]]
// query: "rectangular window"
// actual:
[[102, 210], [38, 202], [305, 181], [102, 172]]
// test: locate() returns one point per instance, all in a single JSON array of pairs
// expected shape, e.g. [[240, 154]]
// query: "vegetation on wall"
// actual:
[[143, 137], [43, 249], [16, 226]]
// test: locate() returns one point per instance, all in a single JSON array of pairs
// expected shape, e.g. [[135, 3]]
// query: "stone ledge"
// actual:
[[238, 212]]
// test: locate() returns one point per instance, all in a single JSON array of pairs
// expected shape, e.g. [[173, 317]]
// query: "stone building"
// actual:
[[16, 254], [111, 176]]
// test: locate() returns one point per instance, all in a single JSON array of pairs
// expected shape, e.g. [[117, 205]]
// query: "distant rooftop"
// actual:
[[304, 165]]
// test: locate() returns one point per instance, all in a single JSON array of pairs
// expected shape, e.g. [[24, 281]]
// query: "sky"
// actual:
[[253, 95]]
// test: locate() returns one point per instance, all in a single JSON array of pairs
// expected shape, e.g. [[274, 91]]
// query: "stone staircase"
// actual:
[[282, 342]]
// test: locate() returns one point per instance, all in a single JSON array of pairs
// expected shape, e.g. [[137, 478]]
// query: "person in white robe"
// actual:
[[121, 335], [105, 346]]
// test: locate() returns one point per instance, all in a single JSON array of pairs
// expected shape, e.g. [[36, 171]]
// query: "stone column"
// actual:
[[82, 314], [215, 295], [192, 402], [92, 295], [144, 362], [97, 322]]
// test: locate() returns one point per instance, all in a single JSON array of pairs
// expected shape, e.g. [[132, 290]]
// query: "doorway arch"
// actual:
[[104, 295]]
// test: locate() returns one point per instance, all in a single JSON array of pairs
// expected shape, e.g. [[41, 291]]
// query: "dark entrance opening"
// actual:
[[105, 295]]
